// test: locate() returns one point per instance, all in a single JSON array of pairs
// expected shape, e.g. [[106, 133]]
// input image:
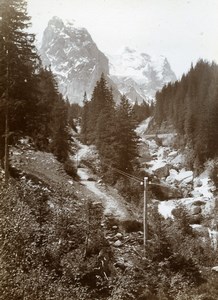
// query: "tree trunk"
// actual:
[[6, 162]]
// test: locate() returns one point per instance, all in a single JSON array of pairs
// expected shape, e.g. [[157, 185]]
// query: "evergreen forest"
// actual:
[[191, 107]]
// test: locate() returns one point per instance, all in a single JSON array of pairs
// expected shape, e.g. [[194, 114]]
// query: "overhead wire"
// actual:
[[132, 177], [127, 175]]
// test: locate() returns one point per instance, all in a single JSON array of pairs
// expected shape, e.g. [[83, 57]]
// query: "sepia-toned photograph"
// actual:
[[108, 150]]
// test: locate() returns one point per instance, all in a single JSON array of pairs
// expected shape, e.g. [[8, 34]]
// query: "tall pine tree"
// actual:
[[18, 65], [127, 141]]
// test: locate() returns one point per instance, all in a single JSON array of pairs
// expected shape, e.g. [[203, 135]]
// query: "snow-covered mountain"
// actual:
[[74, 58], [78, 63], [138, 75]]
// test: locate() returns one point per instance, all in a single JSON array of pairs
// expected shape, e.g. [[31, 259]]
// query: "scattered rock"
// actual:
[[118, 244], [200, 229], [90, 179], [120, 265], [119, 235], [214, 269], [196, 194], [173, 154], [199, 203], [195, 210], [198, 183], [195, 219], [165, 192], [162, 171]]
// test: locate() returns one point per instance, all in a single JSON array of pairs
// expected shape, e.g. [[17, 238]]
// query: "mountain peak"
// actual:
[[78, 63], [137, 71], [56, 21], [74, 58]]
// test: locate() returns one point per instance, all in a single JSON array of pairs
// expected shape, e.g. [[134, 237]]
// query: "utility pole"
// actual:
[[6, 160], [145, 213]]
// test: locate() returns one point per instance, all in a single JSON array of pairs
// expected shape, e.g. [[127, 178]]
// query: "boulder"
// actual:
[[172, 176], [165, 192], [184, 177], [200, 230], [119, 235], [118, 244], [196, 194], [195, 210], [162, 171], [173, 154], [215, 269]]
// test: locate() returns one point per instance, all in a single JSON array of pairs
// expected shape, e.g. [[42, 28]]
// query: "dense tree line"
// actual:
[[30, 103], [111, 128], [142, 110], [191, 105]]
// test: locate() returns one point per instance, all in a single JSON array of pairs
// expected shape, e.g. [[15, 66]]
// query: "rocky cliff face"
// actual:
[[78, 63], [74, 58]]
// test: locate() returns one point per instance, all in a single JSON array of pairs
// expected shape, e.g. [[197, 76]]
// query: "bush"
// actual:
[[132, 191], [70, 168], [131, 225], [214, 174], [111, 221]]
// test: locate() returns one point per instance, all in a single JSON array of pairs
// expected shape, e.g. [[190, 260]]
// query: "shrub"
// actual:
[[214, 174], [111, 221], [131, 225], [70, 168]]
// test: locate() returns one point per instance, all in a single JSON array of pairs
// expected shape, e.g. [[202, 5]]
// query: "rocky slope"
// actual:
[[174, 184], [78, 63]]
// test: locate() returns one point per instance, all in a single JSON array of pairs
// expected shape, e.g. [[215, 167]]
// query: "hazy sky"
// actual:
[[182, 30]]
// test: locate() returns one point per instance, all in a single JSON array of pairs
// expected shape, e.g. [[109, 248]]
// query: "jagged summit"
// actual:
[[74, 58], [78, 63]]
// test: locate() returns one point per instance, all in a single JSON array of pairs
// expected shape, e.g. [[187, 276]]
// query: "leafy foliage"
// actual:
[[44, 251]]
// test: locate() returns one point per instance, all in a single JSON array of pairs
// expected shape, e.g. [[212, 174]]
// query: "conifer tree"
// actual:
[[48, 97], [127, 150], [84, 120], [18, 64], [141, 111], [60, 135], [191, 106]]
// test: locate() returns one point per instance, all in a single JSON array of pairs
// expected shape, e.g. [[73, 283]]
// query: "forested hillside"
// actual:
[[30, 102], [191, 106]]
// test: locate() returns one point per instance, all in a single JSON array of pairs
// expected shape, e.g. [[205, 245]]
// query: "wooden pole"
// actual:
[[145, 214], [6, 161]]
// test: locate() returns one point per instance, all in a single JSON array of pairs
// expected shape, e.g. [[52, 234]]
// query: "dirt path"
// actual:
[[45, 167], [112, 206], [113, 203]]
